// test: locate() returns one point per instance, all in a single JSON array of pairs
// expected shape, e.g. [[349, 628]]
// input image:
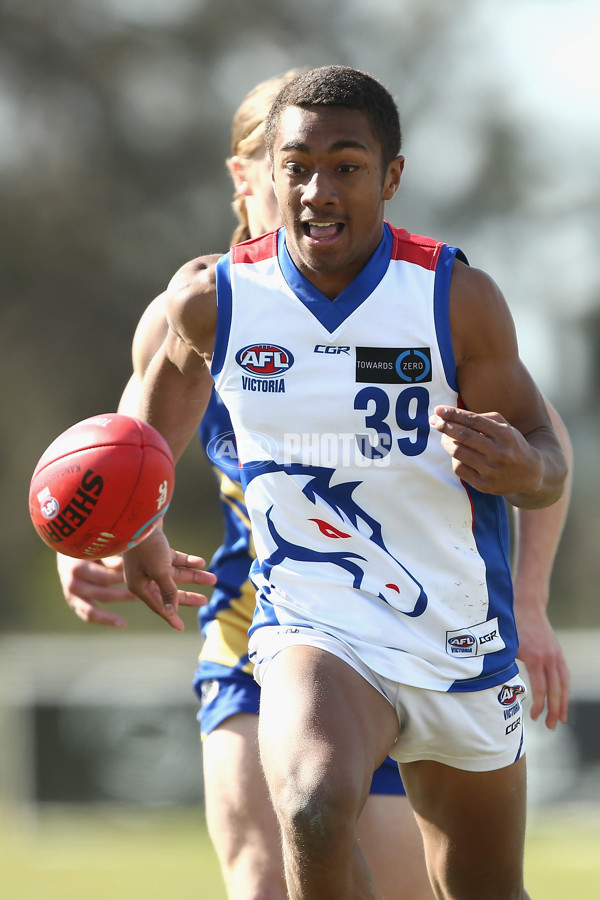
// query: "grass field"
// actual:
[[102, 855]]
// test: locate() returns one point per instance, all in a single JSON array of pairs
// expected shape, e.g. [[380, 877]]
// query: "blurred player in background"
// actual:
[[241, 821]]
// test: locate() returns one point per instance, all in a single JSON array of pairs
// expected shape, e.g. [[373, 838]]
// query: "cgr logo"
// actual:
[[266, 360], [331, 348], [486, 638]]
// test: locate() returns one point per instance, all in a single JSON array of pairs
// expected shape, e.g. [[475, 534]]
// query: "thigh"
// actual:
[[321, 721], [390, 839], [473, 826]]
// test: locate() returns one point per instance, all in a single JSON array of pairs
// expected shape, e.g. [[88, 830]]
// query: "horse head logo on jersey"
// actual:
[[316, 522]]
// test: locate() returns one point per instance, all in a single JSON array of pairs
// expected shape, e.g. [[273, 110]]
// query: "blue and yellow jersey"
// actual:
[[225, 620]]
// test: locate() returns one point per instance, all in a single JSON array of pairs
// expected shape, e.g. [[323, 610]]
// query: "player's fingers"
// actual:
[[88, 612], [553, 700], [164, 600], [100, 593], [565, 688], [459, 440], [187, 560], [183, 575], [191, 598], [557, 684], [488, 424], [537, 691], [101, 575], [114, 563], [118, 594], [159, 592]]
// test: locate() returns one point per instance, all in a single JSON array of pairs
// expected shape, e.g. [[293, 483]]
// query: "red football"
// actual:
[[101, 486]]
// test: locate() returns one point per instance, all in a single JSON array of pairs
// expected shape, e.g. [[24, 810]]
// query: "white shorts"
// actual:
[[473, 730]]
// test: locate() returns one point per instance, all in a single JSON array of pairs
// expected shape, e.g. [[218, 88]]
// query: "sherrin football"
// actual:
[[101, 486]]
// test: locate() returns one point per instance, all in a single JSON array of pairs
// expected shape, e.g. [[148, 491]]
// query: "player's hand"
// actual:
[[87, 583], [153, 570], [549, 678], [487, 452]]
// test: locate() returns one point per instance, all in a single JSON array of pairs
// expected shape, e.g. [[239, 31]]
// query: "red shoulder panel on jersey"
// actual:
[[256, 249], [414, 248]]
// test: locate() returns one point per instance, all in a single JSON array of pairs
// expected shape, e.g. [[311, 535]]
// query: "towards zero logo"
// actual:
[[264, 360]]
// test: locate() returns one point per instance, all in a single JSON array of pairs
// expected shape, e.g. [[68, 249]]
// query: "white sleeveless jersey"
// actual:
[[361, 528]]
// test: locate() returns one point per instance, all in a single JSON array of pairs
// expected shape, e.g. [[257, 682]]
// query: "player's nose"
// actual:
[[319, 190]]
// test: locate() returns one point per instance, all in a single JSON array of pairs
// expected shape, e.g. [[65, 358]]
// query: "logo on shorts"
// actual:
[[209, 691], [510, 694], [513, 726]]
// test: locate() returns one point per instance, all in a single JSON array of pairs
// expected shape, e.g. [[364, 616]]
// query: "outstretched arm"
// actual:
[[538, 534], [174, 395], [90, 585]]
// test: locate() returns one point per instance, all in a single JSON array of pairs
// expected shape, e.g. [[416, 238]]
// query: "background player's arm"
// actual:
[[502, 441], [538, 536]]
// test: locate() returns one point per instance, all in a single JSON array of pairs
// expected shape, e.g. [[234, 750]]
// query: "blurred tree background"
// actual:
[[114, 123]]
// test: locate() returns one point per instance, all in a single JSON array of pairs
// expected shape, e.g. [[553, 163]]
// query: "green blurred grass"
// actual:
[[104, 855], [101, 854], [562, 858]]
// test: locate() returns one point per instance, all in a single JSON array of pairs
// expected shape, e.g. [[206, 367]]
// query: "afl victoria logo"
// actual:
[[462, 641], [510, 694], [264, 360]]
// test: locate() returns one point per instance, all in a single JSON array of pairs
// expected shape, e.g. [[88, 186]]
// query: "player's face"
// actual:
[[331, 188]]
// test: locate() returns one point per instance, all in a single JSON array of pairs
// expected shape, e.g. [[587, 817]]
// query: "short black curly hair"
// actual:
[[341, 86]]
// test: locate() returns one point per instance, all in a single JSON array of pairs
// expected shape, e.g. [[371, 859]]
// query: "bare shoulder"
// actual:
[[191, 303], [193, 275], [479, 313]]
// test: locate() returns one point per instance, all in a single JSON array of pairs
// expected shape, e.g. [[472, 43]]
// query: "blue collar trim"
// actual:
[[333, 313]]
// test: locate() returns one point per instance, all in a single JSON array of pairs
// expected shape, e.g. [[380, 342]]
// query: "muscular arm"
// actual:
[[153, 328], [502, 442], [88, 585], [173, 397]]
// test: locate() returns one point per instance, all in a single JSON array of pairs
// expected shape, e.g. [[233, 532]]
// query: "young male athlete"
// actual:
[[384, 621], [240, 816]]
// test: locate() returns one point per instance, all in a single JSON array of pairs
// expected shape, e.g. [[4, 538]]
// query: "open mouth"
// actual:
[[320, 231]]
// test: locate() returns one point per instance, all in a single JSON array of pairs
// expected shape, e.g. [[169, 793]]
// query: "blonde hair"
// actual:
[[248, 133]]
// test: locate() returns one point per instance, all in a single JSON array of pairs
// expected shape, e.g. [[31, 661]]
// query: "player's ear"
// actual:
[[393, 177], [237, 169]]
